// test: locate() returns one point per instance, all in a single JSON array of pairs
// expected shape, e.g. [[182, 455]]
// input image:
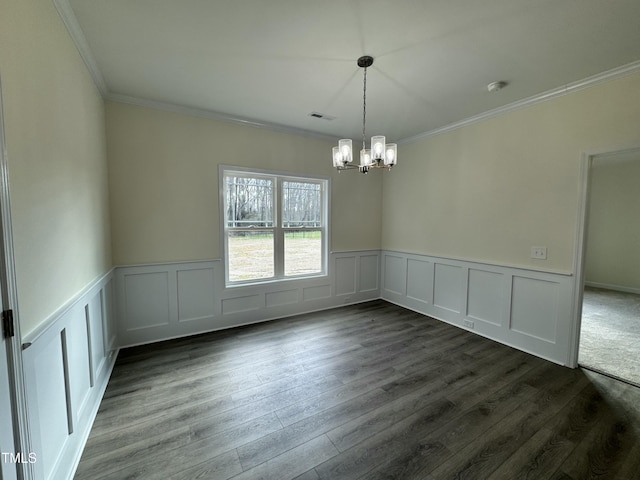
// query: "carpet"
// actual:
[[610, 334]]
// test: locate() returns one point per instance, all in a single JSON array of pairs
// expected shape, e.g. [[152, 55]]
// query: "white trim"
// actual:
[[579, 259], [580, 250], [77, 35], [612, 74], [213, 115], [495, 264], [278, 178]]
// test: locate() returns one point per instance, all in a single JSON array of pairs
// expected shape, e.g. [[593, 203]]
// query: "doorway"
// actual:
[[609, 339]]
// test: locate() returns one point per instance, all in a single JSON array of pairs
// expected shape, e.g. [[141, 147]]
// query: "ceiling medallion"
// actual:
[[380, 155]]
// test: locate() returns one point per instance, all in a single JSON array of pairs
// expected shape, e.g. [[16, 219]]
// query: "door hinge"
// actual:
[[7, 324]]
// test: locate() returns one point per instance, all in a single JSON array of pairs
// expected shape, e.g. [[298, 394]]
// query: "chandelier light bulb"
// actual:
[[378, 147], [391, 154], [365, 157], [346, 149], [337, 157]]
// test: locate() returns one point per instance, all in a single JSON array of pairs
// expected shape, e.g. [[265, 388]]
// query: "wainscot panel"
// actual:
[[153, 301], [420, 280], [369, 273], [67, 363], [195, 294], [526, 309], [157, 302]]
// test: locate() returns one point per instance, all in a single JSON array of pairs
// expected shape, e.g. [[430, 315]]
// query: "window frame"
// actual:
[[278, 229]]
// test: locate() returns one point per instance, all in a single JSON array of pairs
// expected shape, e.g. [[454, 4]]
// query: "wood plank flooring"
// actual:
[[371, 391]]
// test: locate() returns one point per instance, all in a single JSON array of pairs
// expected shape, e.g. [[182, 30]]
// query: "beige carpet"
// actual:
[[610, 334]]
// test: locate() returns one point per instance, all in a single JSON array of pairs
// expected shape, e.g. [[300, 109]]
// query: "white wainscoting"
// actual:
[[67, 364], [68, 361], [163, 301], [526, 309]]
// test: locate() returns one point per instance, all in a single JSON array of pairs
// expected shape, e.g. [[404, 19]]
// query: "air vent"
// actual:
[[321, 116]]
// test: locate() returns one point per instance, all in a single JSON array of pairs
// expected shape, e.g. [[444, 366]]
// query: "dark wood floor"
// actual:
[[371, 391]]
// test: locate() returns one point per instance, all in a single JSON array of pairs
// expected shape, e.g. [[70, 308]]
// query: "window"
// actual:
[[275, 226]]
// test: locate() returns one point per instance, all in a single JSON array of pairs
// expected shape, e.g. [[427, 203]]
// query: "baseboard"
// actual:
[[616, 288]]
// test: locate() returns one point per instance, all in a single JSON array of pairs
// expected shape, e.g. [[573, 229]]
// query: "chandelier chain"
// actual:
[[364, 108]]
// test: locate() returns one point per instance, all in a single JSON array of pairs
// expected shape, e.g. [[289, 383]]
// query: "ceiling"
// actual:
[[275, 61]]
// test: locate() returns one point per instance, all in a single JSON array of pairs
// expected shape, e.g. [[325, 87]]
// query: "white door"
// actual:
[[8, 468], [7, 446]]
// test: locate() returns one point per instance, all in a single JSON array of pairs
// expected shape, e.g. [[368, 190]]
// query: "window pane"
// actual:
[[302, 252], [249, 201], [301, 204], [250, 255]]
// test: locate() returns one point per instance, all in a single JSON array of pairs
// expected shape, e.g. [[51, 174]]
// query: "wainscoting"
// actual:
[[69, 360], [159, 302], [67, 365], [526, 309]]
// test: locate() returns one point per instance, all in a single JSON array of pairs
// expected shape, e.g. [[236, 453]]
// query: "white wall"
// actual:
[[613, 238], [55, 140]]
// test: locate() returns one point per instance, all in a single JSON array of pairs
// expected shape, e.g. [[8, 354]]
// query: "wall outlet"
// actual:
[[467, 323], [539, 253]]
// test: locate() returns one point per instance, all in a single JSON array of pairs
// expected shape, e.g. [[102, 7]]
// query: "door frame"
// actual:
[[580, 250], [20, 413]]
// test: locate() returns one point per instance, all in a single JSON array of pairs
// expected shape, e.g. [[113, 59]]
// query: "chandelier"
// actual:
[[380, 155]]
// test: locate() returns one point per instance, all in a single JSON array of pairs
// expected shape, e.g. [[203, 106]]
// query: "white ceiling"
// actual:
[[276, 61]]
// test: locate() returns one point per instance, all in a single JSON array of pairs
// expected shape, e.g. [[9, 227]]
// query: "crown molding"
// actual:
[[603, 77], [77, 35], [212, 115]]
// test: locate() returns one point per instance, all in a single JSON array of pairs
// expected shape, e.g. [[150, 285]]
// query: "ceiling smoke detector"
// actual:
[[495, 86]]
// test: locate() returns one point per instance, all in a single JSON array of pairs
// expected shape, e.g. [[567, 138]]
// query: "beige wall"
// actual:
[[613, 244], [55, 138], [163, 176], [491, 190]]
